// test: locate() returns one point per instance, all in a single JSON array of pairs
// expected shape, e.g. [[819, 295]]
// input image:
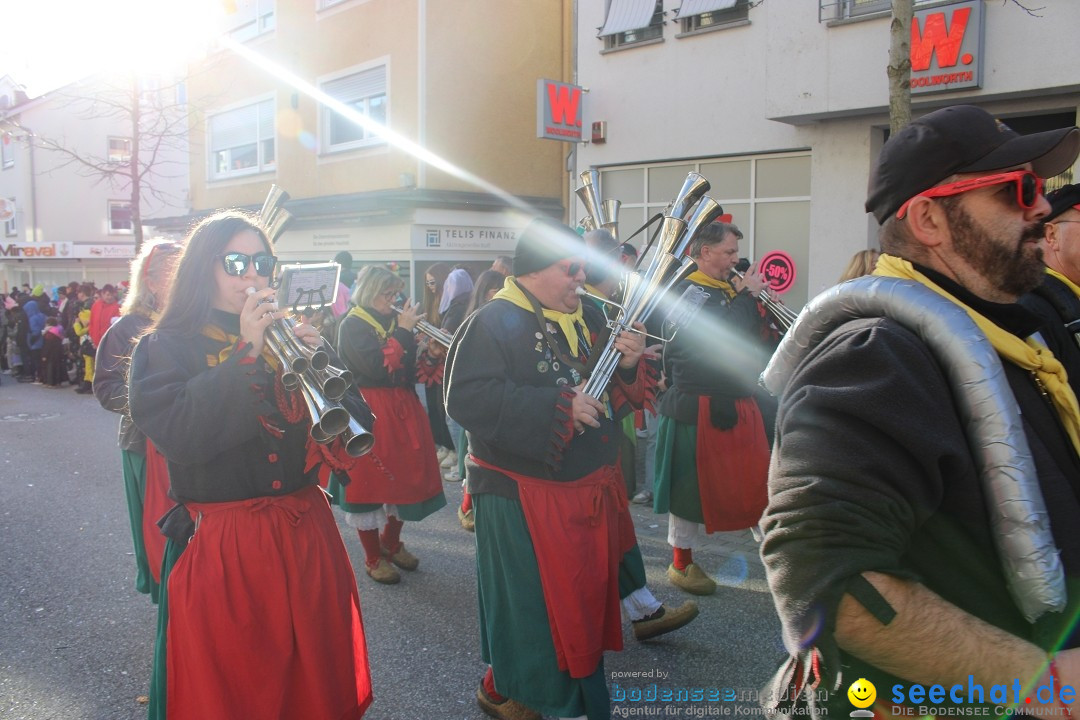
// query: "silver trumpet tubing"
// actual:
[[601, 215], [432, 331], [307, 369], [689, 211], [782, 315], [322, 386], [273, 217]]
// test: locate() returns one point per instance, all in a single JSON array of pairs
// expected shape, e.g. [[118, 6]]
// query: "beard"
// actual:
[[1013, 266]]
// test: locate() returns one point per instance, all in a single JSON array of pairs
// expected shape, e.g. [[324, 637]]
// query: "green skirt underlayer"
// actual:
[[515, 636], [676, 485]]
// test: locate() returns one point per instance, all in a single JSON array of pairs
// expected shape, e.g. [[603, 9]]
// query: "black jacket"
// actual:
[[217, 420], [110, 376], [872, 471], [512, 395]]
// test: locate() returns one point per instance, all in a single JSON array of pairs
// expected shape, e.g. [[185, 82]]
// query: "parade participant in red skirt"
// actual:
[[263, 611], [146, 478], [550, 507], [399, 479], [712, 451]]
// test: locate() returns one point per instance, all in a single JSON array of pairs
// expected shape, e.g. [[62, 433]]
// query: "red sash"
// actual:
[[733, 468], [156, 502], [402, 467], [580, 530]]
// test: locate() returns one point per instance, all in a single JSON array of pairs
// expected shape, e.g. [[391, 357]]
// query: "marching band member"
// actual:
[[648, 617], [146, 477], [399, 479], [712, 454], [550, 508], [263, 611]]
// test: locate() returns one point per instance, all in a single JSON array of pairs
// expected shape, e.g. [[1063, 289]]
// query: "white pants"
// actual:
[[682, 533], [372, 520]]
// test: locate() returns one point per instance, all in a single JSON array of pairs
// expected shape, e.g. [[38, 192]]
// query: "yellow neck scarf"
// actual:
[[699, 278], [1072, 286], [1028, 354], [364, 315], [216, 333], [567, 322]]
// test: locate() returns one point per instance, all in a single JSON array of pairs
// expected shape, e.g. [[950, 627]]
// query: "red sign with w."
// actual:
[[946, 47], [558, 111]]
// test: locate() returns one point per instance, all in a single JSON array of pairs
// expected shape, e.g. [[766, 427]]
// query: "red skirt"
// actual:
[[156, 502], [264, 616], [402, 467], [733, 468], [580, 531]]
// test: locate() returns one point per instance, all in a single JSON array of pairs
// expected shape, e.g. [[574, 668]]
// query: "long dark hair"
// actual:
[[190, 298], [489, 280], [440, 271]]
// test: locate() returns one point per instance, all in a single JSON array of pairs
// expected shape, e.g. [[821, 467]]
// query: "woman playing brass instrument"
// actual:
[[265, 591], [399, 479]]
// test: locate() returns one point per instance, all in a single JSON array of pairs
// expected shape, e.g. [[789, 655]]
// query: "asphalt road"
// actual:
[[76, 639]]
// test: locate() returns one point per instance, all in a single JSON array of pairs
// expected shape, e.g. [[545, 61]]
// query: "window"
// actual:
[[323, 4], [630, 22], [249, 19], [7, 151], [119, 150], [768, 197], [846, 9], [701, 14], [120, 217], [242, 140], [364, 92], [7, 211]]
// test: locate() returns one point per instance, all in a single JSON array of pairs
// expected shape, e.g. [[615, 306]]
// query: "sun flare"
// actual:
[[51, 44]]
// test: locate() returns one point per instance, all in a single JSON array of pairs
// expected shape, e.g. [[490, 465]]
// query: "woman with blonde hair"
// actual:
[[861, 263], [146, 476], [399, 479]]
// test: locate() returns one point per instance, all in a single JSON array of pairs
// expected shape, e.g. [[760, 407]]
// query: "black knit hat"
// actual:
[[1062, 199], [960, 139], [544, 242]]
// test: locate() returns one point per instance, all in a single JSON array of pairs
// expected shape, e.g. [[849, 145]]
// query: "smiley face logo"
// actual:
[[862, 693]]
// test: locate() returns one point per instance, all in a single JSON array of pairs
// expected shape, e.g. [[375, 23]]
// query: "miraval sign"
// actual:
[[947, 47], [35, 250]]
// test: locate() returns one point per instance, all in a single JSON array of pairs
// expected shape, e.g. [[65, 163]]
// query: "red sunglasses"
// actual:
[[1029, 187]]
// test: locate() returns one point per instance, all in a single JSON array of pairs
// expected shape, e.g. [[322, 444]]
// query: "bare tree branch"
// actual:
[[1033, 12]]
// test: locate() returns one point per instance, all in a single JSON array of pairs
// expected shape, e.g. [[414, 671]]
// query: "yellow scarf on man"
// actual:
[[1069, 283], [364, 315], [699, 278], [1028, 354], [216, 333], [567, 322]]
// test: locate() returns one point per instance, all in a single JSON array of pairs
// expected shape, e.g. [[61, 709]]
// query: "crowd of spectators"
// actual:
[[49, 339]]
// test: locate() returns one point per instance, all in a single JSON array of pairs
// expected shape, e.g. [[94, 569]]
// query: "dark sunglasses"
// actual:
[[236, 264], [574, 268], [1029, 187]]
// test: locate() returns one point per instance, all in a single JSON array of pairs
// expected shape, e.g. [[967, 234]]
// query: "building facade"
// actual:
[[783, 105], [65, 161], [455, 79]]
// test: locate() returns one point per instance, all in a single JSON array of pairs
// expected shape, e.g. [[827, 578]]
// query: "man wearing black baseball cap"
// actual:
[[923, 525], [1058, 297]]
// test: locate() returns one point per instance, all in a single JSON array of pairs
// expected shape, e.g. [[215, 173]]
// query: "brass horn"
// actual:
[[667, 267]]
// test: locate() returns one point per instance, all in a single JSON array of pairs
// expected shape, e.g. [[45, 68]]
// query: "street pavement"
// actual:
[[76, 639]]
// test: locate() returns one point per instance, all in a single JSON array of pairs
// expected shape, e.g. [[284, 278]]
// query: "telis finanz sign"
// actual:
[[558, 111], [947, 47]]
